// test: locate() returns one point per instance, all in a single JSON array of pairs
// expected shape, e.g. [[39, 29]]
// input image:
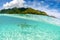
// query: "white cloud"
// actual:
[[14, 3]]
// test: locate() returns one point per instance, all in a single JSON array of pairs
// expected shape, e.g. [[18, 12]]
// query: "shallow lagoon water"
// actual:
[[29, 27]]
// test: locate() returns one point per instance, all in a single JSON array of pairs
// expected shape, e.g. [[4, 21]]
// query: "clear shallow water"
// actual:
[[29, 27]]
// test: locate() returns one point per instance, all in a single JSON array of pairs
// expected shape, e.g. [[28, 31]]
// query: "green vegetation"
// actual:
[[22, 11]]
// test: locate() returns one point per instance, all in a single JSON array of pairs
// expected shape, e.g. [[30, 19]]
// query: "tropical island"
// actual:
[[22, 11]]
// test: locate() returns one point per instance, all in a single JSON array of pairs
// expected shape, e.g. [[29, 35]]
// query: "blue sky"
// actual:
[[52, 7], [52, 3]]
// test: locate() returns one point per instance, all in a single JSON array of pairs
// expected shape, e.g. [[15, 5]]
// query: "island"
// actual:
[[22, 11]]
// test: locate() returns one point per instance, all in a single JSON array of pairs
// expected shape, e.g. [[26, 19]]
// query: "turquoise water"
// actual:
[[29, 27]]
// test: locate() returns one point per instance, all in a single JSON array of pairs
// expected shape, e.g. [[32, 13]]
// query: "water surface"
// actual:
[[29, 27]]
